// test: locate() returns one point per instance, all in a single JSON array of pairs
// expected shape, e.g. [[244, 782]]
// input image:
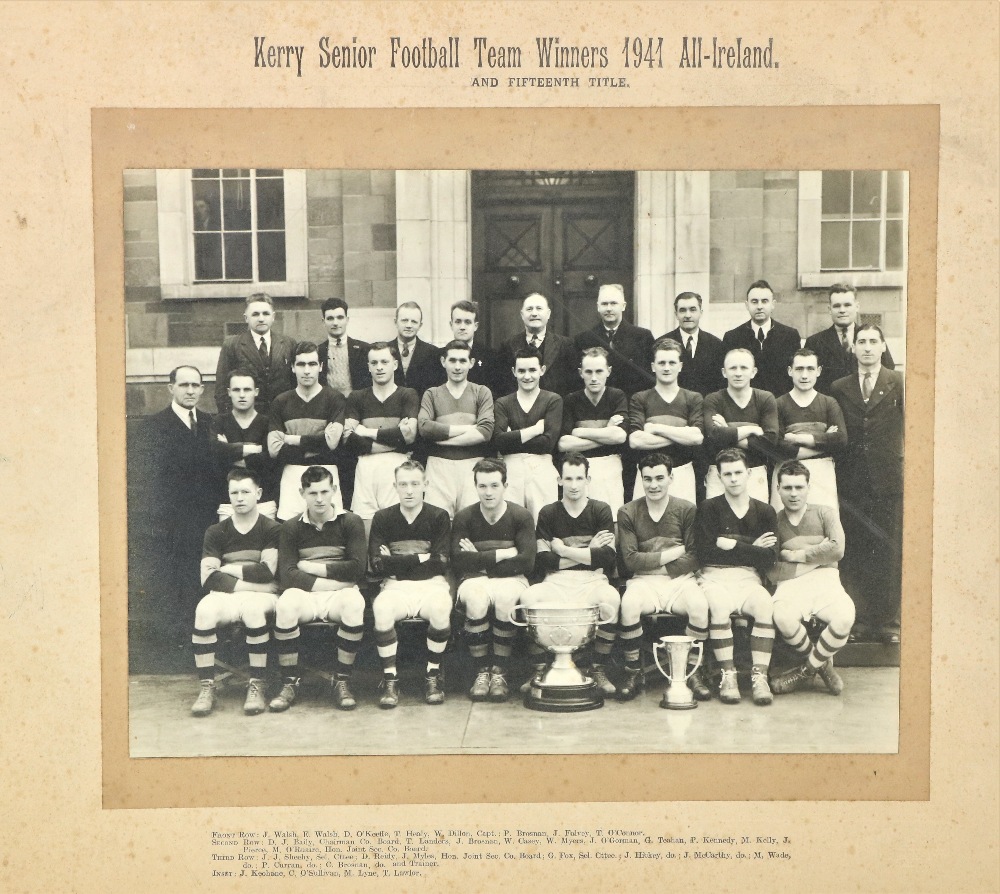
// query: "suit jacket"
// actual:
[[272, 379], [873, 457], [775, 357], [486, 368], [558, 357], [630, 357], [425, 366], [836, 362], [703, 372], [357, 363]]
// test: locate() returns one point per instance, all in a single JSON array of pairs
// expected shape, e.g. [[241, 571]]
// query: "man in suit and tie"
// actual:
[[558, 355], [485, 368], [343, 361], [771, 343], [834, 346], [267, 354], [703, 354], [870, 482], [630, 348], [419, 362]]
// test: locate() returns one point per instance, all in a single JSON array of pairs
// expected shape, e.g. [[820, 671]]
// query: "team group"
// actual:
[[452, 460]]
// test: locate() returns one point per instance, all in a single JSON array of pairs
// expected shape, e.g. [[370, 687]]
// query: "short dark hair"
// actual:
[[759, 284], [534, 292], [650, 460], [408, 465], [488, 465], [242, 473], [456, 344], [687, 296], [258, 296], [471, 307], [526, 352], [731, 455], [596, 351], [574, 459], [667, 344], [382, 346], [409, 304], [334, 304], [244, 371], [841, 288], [315, 474], [304, 347], [176, 369], [861, 328], [805, 352], [792, 467]]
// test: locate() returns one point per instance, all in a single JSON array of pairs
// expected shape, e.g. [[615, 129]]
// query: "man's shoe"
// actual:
[[342, 696], [433, 694], [390, 693], [698, 685], [791, 679], [286, 698], [536, 674], [499, 690], [834, 682], [602, 681], [633, 683], [480, 690], [203, 705], [729, 687], [255, 703], [758, 684]]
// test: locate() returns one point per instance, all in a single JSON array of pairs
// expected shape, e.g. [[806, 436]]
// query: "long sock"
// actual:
[[437, 639], [799, 640], [477, 634], [698, 634], [386, 643], [257, 639], [603, 642], [631, 637], [722, 644], [348, 643], [828, 645], [287, 639], [203, 642], [503, 642], [761, 644]]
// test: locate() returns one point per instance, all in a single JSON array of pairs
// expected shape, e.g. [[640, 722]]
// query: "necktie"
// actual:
[[611, 337], [843, 339], [760, 337], [535, 341], [687, 346], [194, 423], [262, 349], [406, 349], [866, 386]]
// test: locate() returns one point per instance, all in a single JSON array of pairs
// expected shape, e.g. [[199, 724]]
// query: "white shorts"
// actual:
[[374, 483], [412, 595], [756, 483], [532, 481], [290, 502], [606, 481], [269, 509], [728, 589], [570, 587], [662, 590], [822, 484], [682, 486], [813, 593], [320, 605], [232, 608], [506, 590], [450, 484]]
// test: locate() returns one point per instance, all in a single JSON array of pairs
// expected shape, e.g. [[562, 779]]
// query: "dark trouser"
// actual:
[[872, 565]]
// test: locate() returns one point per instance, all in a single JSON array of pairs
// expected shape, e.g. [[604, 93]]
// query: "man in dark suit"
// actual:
[[486, 367], [870, 482], [772, 343], [630, 348], [267, 354], [703, 354], [349, 370], [419, 362], [558, 355], [834, 347]]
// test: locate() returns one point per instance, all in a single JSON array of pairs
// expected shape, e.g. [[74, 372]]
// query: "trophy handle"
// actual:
[[513, 612], [699, 645], [659, 666], [600, 608]]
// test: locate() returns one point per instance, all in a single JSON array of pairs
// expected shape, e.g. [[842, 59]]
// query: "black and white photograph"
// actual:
[[514, 461]]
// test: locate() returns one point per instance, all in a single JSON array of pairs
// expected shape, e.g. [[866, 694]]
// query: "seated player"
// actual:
[[811, 542], [656, 546], [238, 562], [668, 419], [594, 422], [321, 559], [525, 434], [456, 419], [492, 551], [736, 542], [409, 549], [241, 439], [810, 428], [576, 552], [304, 429], [380, 423], [741, 416]]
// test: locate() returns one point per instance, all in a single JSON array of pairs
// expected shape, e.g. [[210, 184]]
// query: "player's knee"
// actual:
[[439, 611], [475, 601], [631, 606], [785, 618], [352, 611], [761, 608], [206, 613], [697, 608], [289, 606], [841, 618], [384, 614]]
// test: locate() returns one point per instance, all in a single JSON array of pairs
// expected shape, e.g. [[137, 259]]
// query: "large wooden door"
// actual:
[[561, 233]]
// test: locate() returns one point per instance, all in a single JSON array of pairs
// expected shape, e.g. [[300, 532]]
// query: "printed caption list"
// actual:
[[402, 853]]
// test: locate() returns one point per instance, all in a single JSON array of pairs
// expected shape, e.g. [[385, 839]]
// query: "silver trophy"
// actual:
[[562, 629], [677, 694]]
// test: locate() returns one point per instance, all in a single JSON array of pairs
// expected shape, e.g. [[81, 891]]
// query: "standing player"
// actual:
[[409, 549], [741, 416], [594, 422], [736, 542], [492, 551], [457, 419], [380, 423], [239, 559], [576, 552], [321, 559], [486, 368], [811, 541], [656, 546], [668, 419], [525, 433]]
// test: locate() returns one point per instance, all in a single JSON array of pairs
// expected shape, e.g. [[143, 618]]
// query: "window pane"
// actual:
[[864, 245], [894, 245], [270, 172], [894, 193], [271, 257], [205, 172], [836, 192], [239, 264], [205, 206], [867, 194], [270, 204], [833, 250], [236, 204], [207, 256], [235, 172]]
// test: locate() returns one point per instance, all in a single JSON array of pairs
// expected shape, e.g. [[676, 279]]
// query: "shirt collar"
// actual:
[[766, 327], [182, 414], [332, 339], [875, 372], [307, 521], [266, 336], [528, 336]]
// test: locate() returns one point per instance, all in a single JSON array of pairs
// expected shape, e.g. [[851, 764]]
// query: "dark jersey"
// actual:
[[684, 410], [339, 544], [580, 412], [364, 407], [555, 521], [716, 519], [641, 540], [308, 419], [230, 547], [427, 533], [514, 528], [761, 410]]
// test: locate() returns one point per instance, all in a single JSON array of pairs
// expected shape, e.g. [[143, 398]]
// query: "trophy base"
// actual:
[[564, 699], [677, 705]]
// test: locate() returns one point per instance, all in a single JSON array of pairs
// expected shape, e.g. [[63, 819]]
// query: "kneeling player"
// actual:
[[656, 545], [238, 562], [811, 541], [409, 548], [736, 542], [321, 559], [492, 549]]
